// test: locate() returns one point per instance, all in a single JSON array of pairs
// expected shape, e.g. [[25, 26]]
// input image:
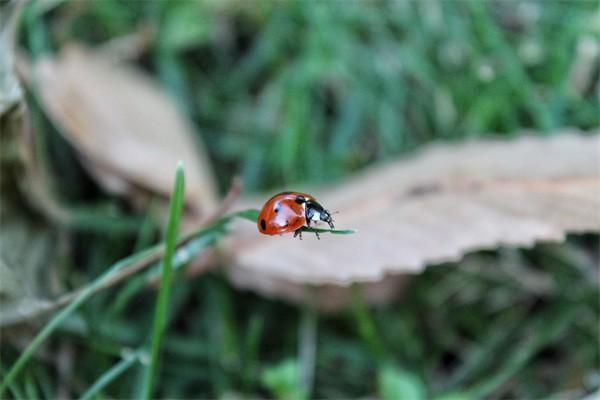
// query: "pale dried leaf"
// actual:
[[27, 254], [450, 200], [128, 132]]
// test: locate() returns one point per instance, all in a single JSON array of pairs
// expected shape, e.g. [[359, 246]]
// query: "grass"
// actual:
[[160, 319], [65, 313], [311, 110], [139, 258], [114, 372]]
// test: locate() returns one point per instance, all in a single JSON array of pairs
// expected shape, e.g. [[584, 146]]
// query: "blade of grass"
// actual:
[[190, 245], [110, 375], [483, 354], [81, 297], [16, 392], [546, 329], [227, 329], [46, 380], [176, 209], [494, 39], [308, 344], [31, 390], [12, 387], [252, 340], [365, 324], [334, 231], [250, 215], [72, 301]]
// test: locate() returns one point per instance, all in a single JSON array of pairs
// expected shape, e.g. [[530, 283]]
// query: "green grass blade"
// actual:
[[12, 387], [192, 242], [334, 231], [251, 215], [485, 351], [365, 324], [307, 352], [252, 340], [160, 318], [110, 375], [31, 390], [51, 326], [543, 331]]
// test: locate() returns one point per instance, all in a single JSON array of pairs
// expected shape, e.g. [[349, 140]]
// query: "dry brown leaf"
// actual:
[[128, 132], [449, 200]]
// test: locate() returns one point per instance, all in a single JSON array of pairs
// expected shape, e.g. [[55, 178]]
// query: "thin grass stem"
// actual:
[[160, 318], [110, 375]]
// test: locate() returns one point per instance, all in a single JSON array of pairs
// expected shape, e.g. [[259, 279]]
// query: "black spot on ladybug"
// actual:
[[277, 207], [287, 222], [263, 224], [300, 200]]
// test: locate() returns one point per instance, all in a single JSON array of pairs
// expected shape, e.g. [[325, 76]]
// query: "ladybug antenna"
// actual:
[[331, 215]]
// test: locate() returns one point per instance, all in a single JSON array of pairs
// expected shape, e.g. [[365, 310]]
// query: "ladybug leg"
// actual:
[[318, 237], [298, 232]]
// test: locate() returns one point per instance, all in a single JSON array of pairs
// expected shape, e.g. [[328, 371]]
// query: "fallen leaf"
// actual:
[[128, 132], [28, 245], [27, 253], [433, 208]]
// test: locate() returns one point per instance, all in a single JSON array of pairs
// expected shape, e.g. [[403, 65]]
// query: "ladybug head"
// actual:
[[315, 212]]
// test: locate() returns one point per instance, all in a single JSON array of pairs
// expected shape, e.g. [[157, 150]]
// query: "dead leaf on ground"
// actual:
[[28, 249], [128, 132], [449, 200]]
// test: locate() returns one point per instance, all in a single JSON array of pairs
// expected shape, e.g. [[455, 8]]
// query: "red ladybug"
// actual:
[[291, 212]]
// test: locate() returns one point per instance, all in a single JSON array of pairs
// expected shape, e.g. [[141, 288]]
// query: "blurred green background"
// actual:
[[288, 92]]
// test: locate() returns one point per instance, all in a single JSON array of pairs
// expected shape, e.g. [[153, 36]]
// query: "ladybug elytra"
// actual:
[[291, 212]]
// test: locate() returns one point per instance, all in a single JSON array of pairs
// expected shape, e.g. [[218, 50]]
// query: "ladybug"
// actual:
[[291, 212]]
